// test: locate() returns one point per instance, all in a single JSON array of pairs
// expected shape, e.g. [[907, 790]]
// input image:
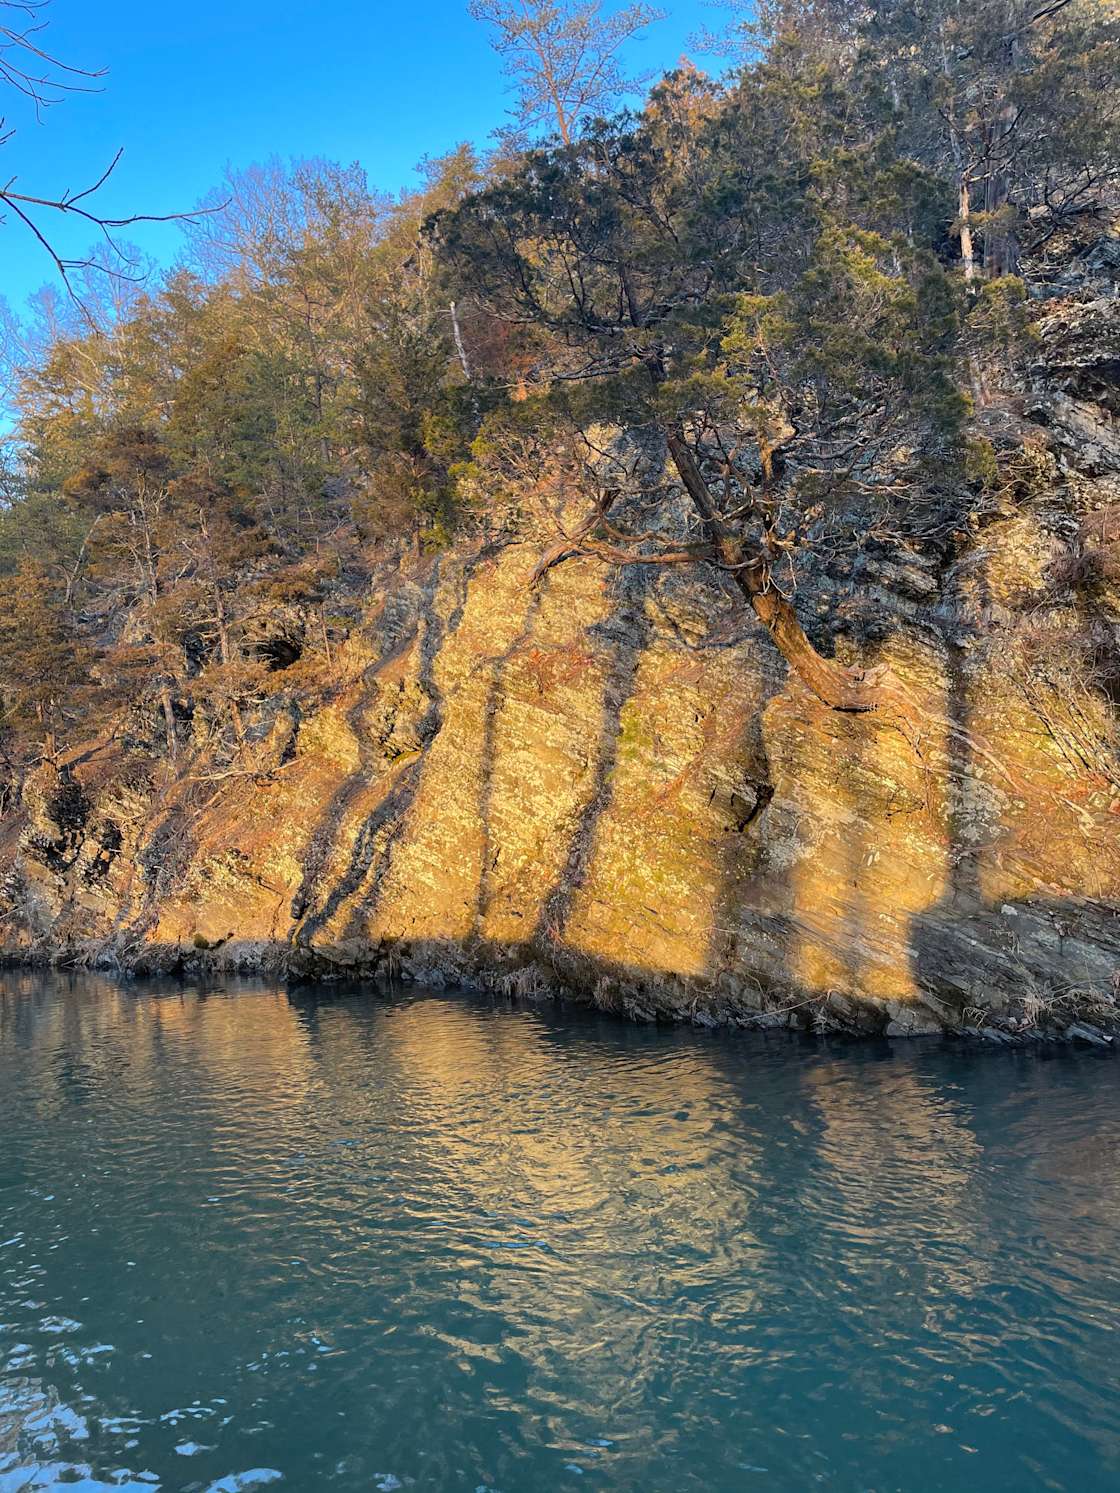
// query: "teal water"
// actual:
[[349, 1241]]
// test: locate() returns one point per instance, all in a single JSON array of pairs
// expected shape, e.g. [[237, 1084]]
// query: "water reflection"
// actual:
[[357, 1241]]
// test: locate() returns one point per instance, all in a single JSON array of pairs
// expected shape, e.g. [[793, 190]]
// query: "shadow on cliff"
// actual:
[[1037, 956], [314, 906], [163, 858], [488, 856], [794, 926], [624, 636], [747, 888]]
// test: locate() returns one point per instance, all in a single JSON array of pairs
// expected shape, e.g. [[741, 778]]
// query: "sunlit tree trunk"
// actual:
[[838, 686]]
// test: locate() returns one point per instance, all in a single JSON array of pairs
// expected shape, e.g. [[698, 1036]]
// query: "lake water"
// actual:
[[352, 1241]]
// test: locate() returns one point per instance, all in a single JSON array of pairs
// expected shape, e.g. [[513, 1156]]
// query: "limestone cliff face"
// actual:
[[608, 785]]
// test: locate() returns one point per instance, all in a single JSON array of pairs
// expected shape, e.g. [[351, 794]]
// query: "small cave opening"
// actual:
[[279, 653]]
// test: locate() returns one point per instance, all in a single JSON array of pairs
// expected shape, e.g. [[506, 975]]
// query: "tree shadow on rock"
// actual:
[[382, 827], [623, 636]]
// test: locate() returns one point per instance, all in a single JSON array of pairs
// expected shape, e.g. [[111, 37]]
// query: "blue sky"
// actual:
[[191, 88]]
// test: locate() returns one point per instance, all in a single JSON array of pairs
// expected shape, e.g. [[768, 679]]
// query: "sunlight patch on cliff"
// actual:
[[863, 834]]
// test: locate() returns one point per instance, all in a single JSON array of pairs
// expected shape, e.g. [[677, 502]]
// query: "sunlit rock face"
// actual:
[[611, 787], [608, 785]]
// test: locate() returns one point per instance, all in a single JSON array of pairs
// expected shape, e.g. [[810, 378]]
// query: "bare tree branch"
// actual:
[[20, 52], [21, 58]]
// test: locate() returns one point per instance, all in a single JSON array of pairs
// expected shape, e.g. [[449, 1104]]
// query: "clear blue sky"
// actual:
[[193, 87]]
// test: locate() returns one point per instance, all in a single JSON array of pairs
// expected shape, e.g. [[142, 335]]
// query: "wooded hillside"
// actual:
[[765, 318]]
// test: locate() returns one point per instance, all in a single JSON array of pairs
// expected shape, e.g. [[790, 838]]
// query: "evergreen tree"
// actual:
[[767, 332]]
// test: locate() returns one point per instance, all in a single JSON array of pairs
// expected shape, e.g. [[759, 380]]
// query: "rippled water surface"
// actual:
[[253, 1238]]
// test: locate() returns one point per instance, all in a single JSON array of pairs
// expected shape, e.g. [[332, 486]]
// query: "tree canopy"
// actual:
[[738, 328]]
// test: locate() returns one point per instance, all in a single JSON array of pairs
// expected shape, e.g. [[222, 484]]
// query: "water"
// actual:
[[360, 1242]]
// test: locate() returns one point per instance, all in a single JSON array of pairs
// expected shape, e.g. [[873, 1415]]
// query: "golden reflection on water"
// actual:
[[658, 1144], [543, 1233], [909, 1125], [578, 1134]]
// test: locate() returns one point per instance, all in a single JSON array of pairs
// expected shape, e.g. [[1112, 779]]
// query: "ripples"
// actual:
[[432, 1243]]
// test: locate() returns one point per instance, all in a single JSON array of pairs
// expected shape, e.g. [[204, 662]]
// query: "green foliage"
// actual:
[[1016, 103], [773, 307], [1000, 320], [980, 463], [778, 284]]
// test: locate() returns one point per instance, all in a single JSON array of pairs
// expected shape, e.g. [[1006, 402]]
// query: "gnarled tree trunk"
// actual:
[[837, 685]]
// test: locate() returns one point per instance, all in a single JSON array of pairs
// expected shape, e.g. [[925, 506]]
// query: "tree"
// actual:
[[563, 57], [1015, 101], [748, 316], [410, 366], [218, 545], [43, 665], [126, 488], [1018, 100], [296, 246]]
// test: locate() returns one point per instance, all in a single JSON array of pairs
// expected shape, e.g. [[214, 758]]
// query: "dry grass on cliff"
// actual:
[[1066, 666], [1041, 1007]]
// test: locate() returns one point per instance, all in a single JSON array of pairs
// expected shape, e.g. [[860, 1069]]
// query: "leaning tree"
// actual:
[[742, 284]]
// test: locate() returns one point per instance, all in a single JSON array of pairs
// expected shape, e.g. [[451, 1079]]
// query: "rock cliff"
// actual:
[[608, 785]]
